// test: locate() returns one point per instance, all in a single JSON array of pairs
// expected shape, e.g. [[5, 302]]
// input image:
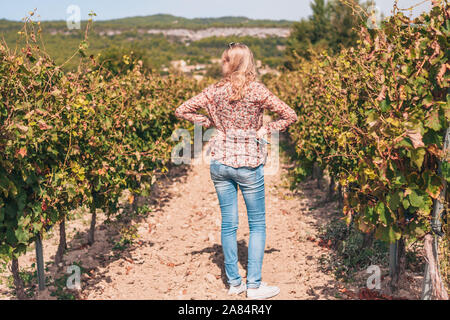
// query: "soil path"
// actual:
[[182, 257], [177, 253]]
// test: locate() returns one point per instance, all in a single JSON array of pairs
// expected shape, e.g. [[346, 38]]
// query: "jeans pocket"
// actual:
[[261, 170], [258, 172], [248, 174], [215, 169]]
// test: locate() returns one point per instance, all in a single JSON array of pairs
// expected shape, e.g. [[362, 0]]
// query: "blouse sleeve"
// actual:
[[273, 103], [188, 110]]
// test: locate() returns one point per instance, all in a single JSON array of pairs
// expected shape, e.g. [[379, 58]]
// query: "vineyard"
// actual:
[[76, 138], [373, 118]]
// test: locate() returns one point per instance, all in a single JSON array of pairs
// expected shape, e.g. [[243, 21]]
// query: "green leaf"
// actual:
[[393, 200], [416, 200], [405, 203], [384, 214], [447, 112], [446, 170], [428, 100], [4, 186], [10, 236], [385, 106], [433, 121], [417, 156], [37, 209], [433, 184], [12, 189], [369, 213], [37, 226], [372, 118], [417, 229], [388, 234], [11, 211], [22, 236], [21, 201]]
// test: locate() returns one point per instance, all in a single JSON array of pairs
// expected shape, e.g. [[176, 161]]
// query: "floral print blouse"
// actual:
[[237, 122]]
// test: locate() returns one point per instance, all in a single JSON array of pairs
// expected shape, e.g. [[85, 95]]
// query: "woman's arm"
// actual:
[[187, 110], [273, 103]]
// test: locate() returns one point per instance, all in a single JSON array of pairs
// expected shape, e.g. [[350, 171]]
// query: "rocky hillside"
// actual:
[[194, 35]]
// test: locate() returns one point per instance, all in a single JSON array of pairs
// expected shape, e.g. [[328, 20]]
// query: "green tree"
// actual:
[[344, 25], [320, 21], [331, 26], [309, 33]]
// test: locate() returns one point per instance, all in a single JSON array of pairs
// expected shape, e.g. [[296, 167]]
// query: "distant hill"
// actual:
[[165, 21], [159, 39], [162, 21]]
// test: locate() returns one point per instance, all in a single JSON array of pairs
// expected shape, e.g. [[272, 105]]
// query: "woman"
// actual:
[[235, 106]]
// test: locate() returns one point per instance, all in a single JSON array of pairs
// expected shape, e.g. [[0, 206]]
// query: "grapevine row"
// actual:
[[375, 117], [76, 138]]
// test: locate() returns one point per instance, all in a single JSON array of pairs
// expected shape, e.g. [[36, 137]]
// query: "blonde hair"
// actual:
[[241, 68]]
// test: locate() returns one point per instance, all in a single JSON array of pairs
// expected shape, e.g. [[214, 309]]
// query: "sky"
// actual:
[[112, 9]]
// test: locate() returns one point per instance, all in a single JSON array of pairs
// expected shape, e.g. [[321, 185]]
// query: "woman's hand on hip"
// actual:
[[262, 133]]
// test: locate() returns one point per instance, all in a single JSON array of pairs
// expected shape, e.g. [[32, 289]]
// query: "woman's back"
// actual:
[[235, 107], [237, 121], [244, 114]]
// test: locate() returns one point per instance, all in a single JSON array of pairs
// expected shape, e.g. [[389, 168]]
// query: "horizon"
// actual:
[[158, 14], [287, 10]]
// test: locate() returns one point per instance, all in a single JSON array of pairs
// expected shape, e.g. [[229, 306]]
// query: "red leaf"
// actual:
[[22, 152], [367, 294], [128, 269], [128, 260], [43, 206], [349, 293]]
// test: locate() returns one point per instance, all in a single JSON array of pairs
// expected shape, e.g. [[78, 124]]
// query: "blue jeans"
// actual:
[[226, 179]]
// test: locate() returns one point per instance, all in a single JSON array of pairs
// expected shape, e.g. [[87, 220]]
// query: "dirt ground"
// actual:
[[177, 253]]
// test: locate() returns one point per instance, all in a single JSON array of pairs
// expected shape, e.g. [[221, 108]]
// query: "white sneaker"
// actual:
[[238, 289], [263, 292]]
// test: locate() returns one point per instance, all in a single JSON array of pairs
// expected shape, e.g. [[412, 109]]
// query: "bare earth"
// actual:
[[178, 254], [183, 257]]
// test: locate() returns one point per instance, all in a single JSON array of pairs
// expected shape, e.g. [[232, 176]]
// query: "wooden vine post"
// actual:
[[396, 263], [432, 281], [40, 263]]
